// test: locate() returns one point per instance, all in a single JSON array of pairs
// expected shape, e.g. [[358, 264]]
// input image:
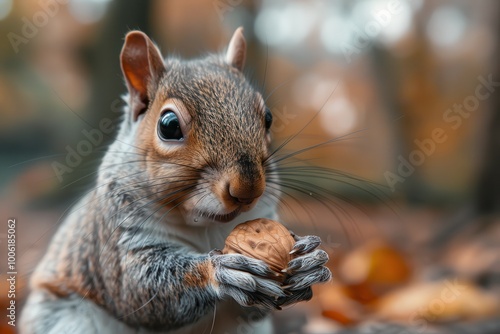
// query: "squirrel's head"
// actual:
[[202, 129]]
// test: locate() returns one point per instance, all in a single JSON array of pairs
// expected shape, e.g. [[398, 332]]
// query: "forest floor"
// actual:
[[390, 275]]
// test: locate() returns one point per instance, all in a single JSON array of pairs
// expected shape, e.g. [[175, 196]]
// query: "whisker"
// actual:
[[71, 209], [306, 125], [322, 201], [322, 173], [282, 201], [35, 159], [276, 88], [308, 148], [142, 306], [141, 224], [263, 85], [68, 212], [83, 120]]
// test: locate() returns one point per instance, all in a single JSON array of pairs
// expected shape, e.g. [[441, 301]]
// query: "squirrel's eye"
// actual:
[[268, 119], [169, 127]]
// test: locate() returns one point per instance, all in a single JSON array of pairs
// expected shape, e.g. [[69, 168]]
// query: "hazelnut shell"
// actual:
[[262, 239]]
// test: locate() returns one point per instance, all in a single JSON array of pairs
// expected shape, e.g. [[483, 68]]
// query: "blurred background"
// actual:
[[400, 95]]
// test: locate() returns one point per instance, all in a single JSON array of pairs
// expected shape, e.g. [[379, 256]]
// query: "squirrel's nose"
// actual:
[[244, 200], [245, 193]]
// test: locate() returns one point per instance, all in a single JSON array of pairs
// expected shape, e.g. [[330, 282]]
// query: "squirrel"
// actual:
[[190, 161]]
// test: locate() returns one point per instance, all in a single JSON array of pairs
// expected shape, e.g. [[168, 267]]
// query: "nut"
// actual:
[[262, 239]]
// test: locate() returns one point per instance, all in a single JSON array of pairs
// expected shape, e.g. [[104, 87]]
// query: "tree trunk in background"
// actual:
[[488, 190], [108, 85], [487, 200], [107, 81]]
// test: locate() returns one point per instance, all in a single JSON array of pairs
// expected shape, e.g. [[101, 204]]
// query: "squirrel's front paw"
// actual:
[[304, 270], [243, 278]]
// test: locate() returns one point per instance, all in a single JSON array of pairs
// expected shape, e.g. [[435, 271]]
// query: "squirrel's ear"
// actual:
[[237, 50], [142, 66]]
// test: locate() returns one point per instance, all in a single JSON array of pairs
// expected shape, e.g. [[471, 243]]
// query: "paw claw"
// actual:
[[297, 296], [308, 261], [306, 279], [305, 244], [215, 252]]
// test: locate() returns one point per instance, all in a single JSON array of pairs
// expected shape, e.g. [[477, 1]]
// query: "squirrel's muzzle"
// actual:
[[242, 186]]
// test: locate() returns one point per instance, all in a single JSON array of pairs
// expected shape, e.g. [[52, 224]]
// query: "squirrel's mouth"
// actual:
[[223, 218]]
